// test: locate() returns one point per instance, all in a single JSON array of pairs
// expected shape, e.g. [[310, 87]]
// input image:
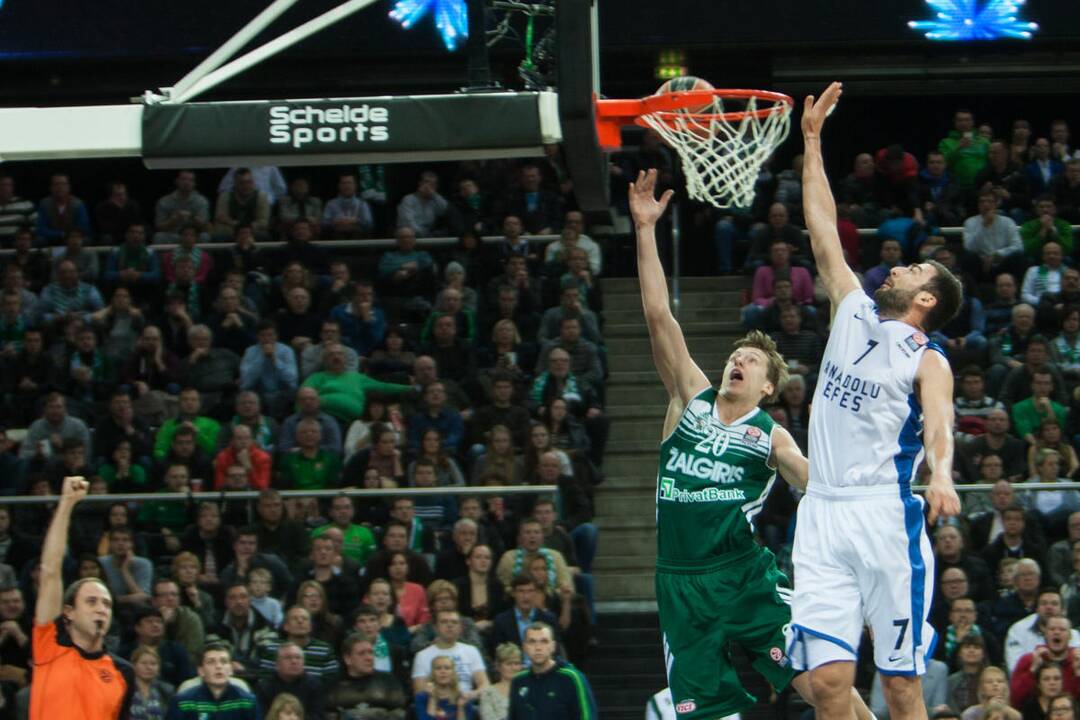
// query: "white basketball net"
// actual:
[[721, 159]]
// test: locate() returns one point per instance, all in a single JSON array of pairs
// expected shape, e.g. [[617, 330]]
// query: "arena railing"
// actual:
[[945, 231], [351, 244], [219, 495]]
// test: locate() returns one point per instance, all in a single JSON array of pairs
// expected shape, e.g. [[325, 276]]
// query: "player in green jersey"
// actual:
[[719, 457]]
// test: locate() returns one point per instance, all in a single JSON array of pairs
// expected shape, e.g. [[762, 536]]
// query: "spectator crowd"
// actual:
[[1007, 581], [181, 349]]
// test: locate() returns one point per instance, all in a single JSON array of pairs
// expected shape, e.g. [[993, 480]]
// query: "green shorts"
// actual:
[[742, 598]]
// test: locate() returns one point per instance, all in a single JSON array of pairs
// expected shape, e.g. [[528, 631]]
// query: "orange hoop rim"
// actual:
[[613, 114]]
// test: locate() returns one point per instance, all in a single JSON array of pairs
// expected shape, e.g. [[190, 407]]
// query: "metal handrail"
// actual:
[[946, 231], [218, 495], [358, 244], [1017, 487]]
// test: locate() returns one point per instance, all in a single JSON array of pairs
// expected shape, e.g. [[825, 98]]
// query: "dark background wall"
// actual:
[[899, 87]]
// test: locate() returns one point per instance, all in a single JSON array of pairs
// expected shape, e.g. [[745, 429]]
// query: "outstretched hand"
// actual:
[[815, 111], [644, 206], [75, 488]]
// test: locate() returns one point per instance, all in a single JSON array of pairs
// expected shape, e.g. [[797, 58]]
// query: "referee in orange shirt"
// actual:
[[74, 678]]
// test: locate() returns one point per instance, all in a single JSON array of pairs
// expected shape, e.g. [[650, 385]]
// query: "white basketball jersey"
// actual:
[[866, 422]]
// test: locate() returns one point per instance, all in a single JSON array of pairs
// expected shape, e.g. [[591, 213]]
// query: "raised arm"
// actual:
[[935, 394], [677, 370], [788, 459], [51, 590], [819, 207]]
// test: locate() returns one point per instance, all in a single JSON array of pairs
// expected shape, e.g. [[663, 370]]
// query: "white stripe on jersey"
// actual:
[[866, 425]]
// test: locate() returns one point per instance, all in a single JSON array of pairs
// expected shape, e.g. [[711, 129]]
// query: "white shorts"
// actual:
[[862, 557]]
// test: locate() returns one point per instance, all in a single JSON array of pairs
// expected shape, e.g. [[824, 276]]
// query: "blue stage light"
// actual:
[[451, 17], [966, 20]]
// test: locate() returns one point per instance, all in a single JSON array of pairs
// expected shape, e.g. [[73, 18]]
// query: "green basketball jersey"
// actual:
[[712, 480]]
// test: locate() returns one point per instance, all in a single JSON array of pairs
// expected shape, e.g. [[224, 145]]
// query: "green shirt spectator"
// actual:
[[1046, 227], [300, 471], [133, 481], [965, 150], [1029, 414], [173, 515], [359, 541], [206, 429], [342, 393]]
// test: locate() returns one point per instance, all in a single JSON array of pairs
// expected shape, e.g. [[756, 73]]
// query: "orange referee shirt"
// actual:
[[69, 684]]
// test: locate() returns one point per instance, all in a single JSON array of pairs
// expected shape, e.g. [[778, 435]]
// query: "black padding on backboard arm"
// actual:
[[586, 162]]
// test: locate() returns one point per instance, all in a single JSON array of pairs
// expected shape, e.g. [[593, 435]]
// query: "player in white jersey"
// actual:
[[861, 552]]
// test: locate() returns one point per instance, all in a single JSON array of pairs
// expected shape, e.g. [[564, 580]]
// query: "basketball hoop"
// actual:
[[723, 137]]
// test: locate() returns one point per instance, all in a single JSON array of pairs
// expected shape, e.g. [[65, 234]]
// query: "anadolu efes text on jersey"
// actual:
[[866, 421], [711, 482]]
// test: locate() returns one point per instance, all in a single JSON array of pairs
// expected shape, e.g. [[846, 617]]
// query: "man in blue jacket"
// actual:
[[552, 689], [215, 698]]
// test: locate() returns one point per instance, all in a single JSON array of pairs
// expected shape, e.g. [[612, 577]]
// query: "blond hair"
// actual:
[[507, 652], [454, 691], [283, 702], [777, 371], [441, 587]]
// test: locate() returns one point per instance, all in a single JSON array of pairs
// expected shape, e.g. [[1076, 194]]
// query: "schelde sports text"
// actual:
[[300, 126]]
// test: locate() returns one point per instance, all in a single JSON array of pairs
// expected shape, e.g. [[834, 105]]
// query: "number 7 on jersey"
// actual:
[[870, 345]]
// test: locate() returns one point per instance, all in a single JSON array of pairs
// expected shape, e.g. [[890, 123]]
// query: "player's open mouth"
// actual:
[[736, 374]]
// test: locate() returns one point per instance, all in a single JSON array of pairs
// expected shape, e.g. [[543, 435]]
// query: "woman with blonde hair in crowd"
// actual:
[[442, 595], [993, 695], [499, 457], [286, 706], [506, 353], [442, 698], [325, 625], [494, 701], [1049, 437], [150, 701]]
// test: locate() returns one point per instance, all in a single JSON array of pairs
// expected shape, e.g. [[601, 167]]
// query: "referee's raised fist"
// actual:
[[75, 487]]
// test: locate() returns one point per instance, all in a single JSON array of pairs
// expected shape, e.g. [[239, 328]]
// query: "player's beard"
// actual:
[[893, 302]]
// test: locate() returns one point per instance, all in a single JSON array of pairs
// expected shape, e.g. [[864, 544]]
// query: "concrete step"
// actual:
[[616, 622], [643, 523], [635, 395], [628, 500], [688, 313], [636, 412], [637, 585], [639, 480], [624, 563], [703, 348], [631, 541], [686, 284], [689, 329], [729, 303], [713, 362], [620, 446], [649, 428], [634, 464]]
